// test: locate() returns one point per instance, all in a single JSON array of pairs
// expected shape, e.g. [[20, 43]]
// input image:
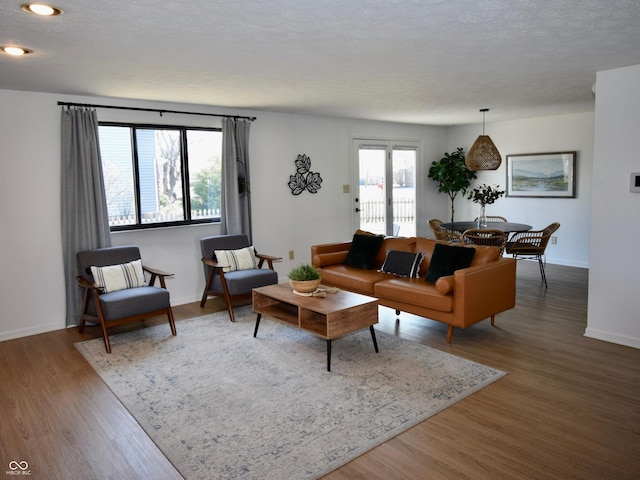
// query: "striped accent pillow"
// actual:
[[402, 264], [241, 259], [119, 277]]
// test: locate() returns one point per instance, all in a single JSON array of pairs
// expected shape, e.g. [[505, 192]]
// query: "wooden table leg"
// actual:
[[329, 355]]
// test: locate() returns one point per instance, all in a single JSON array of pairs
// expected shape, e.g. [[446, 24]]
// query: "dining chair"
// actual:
[[532, 244], [493, 219], [440, 233], [486, 236]]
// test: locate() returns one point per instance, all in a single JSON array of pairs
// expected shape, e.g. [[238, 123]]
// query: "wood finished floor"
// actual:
[[569, 407]]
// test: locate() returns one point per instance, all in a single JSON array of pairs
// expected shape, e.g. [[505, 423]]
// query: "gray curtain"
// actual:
[[235, 216], [85, 221]]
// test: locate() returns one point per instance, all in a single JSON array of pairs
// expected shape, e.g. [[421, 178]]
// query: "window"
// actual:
[[159, 176]]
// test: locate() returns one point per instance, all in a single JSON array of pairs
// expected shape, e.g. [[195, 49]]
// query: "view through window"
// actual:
[[159, 176]]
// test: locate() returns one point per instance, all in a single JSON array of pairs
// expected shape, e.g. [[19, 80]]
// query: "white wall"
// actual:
[[614, 300], [538, 135], [32, 294]]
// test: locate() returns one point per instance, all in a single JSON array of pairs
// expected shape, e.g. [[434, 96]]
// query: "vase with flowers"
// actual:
[[484, 195]]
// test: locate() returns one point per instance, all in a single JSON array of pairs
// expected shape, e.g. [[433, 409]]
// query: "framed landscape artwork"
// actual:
[[551, 175]]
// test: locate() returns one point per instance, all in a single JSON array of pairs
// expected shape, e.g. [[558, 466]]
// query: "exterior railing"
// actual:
[[162, 217], [374, 211]]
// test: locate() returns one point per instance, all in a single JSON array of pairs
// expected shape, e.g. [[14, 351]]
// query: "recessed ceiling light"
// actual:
[[41, 9], [15, 51]]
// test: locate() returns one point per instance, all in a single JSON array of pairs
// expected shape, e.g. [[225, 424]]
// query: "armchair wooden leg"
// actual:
[[449, 333], [204, 298], [172, 322], [105, 335], [227, 298], [103, 323], [493, 319], [232, 317], [207, 287], [85, 306]]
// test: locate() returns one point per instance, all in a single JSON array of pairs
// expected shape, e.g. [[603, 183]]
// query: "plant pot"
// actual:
[[305, 286]]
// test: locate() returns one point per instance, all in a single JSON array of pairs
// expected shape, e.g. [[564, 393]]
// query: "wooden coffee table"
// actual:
[[328, 317]]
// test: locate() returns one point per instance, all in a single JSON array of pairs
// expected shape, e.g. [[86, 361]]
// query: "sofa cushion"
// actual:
[[413, 291], [399, 244], [402, 264], [426, 246], [363, 250], [446, 259], [131, 301], [485, 254], [351, 278], [112, 278]]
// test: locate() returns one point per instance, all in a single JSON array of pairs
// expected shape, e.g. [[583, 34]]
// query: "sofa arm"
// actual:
[[329, 254], [484, 290]]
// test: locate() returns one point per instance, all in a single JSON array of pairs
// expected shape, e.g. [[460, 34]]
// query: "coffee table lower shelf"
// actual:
[[327, 317]]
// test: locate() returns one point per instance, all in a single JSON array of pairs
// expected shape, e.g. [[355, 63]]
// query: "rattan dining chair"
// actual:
[[440, 233], [492, 219], [484, 236], [532, 244]]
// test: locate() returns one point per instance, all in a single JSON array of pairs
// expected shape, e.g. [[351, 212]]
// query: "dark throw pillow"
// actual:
[[363, 250], [402, 264], [446, 259]]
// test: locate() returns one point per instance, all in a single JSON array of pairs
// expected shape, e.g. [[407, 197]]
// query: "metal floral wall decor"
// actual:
[[304, 179]]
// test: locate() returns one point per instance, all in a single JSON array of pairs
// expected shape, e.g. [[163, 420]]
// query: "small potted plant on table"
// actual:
[[304, 278]]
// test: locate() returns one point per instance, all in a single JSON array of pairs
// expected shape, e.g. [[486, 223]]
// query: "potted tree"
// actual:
[[452, 175]]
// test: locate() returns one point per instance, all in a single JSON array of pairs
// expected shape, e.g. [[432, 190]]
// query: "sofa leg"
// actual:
[[449, 333], [493, 320], [397, 313]]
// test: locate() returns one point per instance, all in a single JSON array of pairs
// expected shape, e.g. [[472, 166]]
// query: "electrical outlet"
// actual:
[[291, 255], [554, 240]]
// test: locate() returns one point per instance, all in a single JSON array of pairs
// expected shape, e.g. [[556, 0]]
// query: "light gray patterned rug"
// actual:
[[221, 404]]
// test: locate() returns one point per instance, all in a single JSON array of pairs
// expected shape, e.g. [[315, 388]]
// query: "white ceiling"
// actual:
[[419, 61]]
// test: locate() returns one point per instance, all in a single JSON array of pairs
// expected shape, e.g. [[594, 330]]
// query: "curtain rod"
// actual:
[[71, 104]]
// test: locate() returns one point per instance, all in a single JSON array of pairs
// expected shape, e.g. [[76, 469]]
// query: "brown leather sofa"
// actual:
[[485, 288]]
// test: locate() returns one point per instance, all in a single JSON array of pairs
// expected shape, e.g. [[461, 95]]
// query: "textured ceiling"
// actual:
[[429, 61]]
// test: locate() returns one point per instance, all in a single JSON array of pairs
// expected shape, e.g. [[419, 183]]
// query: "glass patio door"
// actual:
[[385, 194]]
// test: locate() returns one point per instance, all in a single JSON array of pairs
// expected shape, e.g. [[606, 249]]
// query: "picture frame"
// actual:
[[542, 175]]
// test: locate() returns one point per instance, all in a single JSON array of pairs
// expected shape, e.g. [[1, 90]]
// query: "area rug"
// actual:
[[221, 404]]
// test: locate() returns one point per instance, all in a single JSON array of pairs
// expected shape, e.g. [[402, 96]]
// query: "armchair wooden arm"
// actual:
[[84, 283], [155, 273], [269, 258], [213, 263]]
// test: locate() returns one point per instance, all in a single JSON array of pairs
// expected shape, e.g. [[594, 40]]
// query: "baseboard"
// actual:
[[27, 332], [184, 300], [50, 327], [612, 337]]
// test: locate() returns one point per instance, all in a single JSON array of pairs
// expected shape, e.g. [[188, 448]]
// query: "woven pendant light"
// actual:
[[483, 154]]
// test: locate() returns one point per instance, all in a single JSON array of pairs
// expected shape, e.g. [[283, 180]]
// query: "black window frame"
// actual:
[[184, 165]]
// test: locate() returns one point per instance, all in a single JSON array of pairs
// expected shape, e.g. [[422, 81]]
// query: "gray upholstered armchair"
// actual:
[[116, 291], [235, 276]]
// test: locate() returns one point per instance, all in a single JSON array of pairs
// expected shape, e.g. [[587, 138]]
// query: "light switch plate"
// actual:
[[635, 182]]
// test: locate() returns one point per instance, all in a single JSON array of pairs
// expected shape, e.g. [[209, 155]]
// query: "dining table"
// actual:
[[507, 227]]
